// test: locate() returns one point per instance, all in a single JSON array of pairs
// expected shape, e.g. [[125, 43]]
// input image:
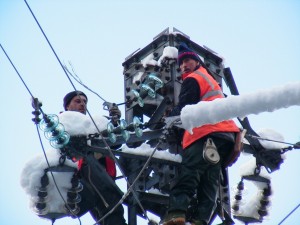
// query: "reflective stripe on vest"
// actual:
[[211, 93]]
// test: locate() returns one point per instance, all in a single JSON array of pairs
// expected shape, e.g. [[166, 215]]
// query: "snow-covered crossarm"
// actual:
[[267, 100], [146, 150]]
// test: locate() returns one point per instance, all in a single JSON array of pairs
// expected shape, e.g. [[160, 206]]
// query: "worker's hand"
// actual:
[[114, 111], [115, 114], [98, 155]]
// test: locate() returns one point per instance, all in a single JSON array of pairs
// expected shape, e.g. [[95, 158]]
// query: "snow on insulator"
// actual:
[[43, 196]]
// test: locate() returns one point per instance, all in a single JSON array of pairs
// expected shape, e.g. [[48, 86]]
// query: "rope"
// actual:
[[123, 174], [130, 189], [76, 77]]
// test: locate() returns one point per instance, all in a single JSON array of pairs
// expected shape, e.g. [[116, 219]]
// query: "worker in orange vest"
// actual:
[[200, 170]]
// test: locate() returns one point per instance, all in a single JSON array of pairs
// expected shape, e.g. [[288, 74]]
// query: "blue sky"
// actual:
[[258, 39]]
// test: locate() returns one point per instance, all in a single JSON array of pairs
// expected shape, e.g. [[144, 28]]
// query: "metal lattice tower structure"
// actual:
[[135, 73], [154, 108]]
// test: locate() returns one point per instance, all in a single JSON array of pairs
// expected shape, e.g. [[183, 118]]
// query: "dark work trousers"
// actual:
[[196, 174], [100, 194]]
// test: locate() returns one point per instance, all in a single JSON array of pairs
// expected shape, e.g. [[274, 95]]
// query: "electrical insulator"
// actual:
[[137, 98], [110, 129], [76, 185], [124, 132], [157, 82], [61, 141], [238, 199], [136, 124], [54, 131], [149, 90], [264, 202], [236, 210], [49, 122], [41, 209], [73, 197], [73, 208]]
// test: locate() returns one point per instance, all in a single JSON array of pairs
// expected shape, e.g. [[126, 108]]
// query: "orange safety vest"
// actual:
[[210, 90]]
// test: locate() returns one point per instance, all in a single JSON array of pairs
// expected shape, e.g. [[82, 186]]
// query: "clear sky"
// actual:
[[259, 40]]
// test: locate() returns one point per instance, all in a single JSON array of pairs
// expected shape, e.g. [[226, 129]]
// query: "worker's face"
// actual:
[[78, 104], [188, 65]]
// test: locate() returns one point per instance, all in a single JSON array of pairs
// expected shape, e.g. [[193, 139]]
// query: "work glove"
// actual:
[[114, 113]]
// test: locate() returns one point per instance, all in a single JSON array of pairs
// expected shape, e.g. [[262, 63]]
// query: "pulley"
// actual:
[[210, 152]]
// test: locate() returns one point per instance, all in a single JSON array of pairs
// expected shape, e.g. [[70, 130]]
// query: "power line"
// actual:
[[289, 214], [50, 44], [16, 70]]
